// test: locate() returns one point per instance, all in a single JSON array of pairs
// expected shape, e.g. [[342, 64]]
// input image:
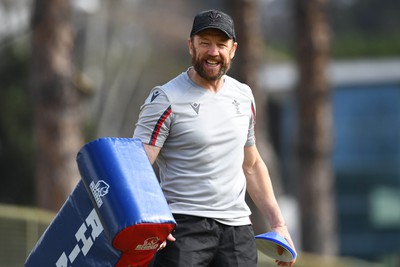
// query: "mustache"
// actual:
[[214, 58]]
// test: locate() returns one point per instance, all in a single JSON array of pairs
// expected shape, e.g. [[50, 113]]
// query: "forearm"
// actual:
[[261, 191], [152, 152], [259, 187]]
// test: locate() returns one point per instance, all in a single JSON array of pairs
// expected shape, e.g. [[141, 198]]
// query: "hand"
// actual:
[[170, 238], [283, 231]]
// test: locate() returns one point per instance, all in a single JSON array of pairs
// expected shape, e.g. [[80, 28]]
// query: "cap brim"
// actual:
[[268, 244]]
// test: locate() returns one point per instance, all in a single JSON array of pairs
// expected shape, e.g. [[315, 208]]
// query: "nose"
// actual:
[[213, 50]]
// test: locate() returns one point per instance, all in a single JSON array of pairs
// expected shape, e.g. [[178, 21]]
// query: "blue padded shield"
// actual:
[[126, 194], [75, 237], [119, 220]]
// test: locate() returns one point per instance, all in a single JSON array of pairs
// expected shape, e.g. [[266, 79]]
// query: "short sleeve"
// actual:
[[154, 120], [251, 139]]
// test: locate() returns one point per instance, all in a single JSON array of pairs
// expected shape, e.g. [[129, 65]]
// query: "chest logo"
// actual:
[[237, 106], [195, 107]]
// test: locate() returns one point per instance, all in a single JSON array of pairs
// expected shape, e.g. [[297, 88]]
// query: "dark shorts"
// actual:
[[206, 242]]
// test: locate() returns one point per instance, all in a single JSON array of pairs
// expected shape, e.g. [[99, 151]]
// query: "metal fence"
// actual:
[[20, 228]]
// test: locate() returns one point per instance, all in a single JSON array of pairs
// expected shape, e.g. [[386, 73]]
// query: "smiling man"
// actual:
[[199, 129]]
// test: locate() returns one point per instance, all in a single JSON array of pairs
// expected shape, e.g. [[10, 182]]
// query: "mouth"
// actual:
[[212, 63]]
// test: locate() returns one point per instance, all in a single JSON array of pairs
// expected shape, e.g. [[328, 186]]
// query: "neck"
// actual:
[[213, 86]]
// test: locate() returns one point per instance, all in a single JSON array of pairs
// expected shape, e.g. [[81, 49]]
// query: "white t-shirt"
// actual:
[[202, 136]]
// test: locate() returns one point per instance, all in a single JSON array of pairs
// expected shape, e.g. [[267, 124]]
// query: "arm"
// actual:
[[152, 152], [260, 189]]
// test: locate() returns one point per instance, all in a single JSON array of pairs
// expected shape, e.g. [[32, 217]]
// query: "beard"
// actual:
[[197, 64]]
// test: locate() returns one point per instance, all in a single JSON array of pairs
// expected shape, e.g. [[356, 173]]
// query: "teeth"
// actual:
[[211, 62]]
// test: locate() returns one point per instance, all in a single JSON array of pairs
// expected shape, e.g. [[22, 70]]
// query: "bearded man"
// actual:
[[199, 129]]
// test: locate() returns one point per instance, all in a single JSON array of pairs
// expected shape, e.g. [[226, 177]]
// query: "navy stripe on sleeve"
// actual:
[[158, 125]]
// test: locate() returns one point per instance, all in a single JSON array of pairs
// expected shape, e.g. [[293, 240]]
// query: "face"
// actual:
[[212, 53]]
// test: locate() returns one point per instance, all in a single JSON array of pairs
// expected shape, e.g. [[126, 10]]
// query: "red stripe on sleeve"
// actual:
[[158, 125], [253, 111]]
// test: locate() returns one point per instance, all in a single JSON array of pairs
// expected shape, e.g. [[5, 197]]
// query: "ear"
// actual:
[[233, 50], [190, 46]]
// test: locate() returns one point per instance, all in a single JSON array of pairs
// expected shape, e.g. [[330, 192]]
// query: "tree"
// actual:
[[57, 103], [314, 129]]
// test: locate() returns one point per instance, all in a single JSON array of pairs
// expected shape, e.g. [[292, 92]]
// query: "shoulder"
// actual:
[[239, 87], [170, 91], [176, 87]]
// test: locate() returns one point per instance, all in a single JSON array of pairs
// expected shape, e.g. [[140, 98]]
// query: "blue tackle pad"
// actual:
[[116, 216]]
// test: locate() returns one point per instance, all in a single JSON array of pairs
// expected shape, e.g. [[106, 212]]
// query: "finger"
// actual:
[[280, 250], [283, 263], [162, 246], [171, 238]]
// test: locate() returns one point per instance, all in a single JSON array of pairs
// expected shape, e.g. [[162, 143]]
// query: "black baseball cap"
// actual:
[[213, 19]]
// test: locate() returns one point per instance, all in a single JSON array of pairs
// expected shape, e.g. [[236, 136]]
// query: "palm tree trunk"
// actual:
[[57, 107], [315, 129]]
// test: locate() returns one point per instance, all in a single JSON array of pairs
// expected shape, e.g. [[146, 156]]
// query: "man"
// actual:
[[199, 128]]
